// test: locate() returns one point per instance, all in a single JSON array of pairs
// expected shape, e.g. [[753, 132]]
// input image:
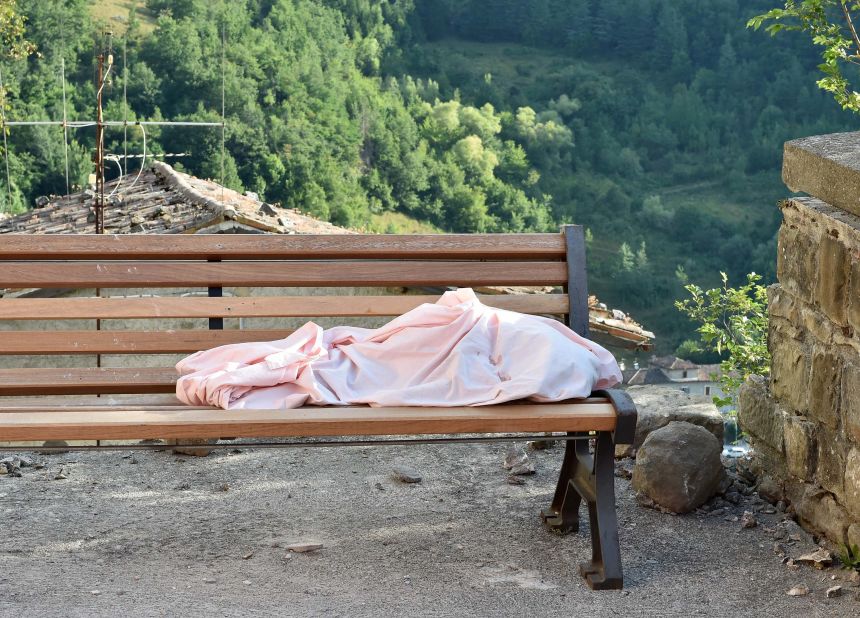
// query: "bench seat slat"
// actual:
[[295, 273], [259, 307], [304, 246], [115, 403], [39, 424]]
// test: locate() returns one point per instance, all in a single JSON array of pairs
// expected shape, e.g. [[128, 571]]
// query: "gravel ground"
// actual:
[[155, 534]]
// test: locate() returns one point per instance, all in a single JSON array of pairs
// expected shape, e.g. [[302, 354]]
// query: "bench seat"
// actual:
[[81, 422]]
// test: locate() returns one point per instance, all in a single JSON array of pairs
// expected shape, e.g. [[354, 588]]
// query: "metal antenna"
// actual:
[[5, 144], [223, 98], [102, 72], [65, 128]]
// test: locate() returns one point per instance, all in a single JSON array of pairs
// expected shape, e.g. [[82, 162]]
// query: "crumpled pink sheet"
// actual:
[[456, 352]]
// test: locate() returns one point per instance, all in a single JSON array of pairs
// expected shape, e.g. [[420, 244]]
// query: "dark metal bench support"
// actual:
[[591, 478], [588, 477]]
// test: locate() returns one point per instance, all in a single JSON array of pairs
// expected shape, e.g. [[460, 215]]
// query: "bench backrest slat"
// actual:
[[254, 306], [127, 274], [282, 247]]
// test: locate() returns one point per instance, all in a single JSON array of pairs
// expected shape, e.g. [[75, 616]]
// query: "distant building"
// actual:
[[674, 372]]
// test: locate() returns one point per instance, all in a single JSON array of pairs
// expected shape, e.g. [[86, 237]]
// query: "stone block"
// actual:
[[759, 415], [797, 261], [824, 387], [851, 401], [854, 296], [830, 473], [818, 510], [827, 167], [854, 535], [800, 447], [789, 382], [852, 482], [832, 289]]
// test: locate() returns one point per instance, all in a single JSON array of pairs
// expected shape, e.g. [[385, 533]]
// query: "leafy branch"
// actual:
[[732, 321], [830, 23]]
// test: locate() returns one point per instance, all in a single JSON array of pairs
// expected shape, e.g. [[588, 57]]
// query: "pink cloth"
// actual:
[[456, 352]]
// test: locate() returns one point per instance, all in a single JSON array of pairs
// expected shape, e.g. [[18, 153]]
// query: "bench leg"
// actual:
[[590, 478], [562, 517]]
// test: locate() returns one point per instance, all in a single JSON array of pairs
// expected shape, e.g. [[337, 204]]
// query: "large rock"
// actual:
[[678, 466], [658, 406]]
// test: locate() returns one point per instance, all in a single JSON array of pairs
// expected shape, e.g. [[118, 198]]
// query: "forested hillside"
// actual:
[[656, 123]]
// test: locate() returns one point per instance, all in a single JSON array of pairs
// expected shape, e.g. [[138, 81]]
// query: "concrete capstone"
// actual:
[[826, 166]]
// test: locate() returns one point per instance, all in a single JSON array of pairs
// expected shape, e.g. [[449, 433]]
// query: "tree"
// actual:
[[831, 25], [15, 45]]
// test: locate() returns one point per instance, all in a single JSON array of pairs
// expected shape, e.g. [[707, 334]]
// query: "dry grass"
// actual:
[[113, 14]]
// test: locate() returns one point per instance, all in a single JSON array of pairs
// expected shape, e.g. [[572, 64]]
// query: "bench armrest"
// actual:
[[625, 428]]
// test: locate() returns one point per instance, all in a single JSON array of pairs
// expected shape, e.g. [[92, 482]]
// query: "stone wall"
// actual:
[[804, 422]]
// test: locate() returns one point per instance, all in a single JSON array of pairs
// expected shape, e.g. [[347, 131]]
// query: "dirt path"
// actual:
[[159, 535]]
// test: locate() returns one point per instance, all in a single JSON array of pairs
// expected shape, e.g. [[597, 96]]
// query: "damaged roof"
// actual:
[[164, 201]]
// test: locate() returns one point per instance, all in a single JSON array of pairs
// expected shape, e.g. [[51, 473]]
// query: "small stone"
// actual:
[[379, 486], [624, 469], [854, 578], [515, 480], [95, 593], [798, 591], [718, 512], [779, 549], [209, 580], [223, 487], [303, 548], [780, 506], [767, 509], [406, 474], [60, 475], [748, 520], [523, 469], [39, 466], [820, 559], [4, 469], [248, 556], [24, 462], [733, 497], [515, 456], [834, 591]]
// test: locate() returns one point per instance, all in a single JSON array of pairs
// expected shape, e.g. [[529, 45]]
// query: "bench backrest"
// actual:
[[42, 324]]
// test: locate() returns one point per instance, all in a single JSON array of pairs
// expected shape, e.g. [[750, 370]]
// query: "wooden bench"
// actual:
[[132, 403]]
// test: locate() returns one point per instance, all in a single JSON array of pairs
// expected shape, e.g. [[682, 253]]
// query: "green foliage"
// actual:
[[12, 40], [732, 321], [849, 556], [831, 25]]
